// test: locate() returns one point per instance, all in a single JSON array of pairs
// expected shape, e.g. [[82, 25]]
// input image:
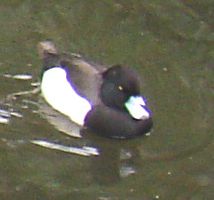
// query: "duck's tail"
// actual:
[[46, 47], [49, 55]]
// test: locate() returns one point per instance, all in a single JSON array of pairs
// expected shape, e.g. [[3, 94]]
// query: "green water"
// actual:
[[170, 43]]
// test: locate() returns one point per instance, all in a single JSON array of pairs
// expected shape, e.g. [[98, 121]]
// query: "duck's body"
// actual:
[[106, 100]]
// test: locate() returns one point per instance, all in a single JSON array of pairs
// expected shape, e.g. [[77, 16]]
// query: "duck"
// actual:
[[106, 100]]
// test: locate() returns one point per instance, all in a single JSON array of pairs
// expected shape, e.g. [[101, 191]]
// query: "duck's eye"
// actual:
[[120, 88]]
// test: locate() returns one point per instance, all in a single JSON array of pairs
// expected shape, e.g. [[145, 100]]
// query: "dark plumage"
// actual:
[[116, 108]]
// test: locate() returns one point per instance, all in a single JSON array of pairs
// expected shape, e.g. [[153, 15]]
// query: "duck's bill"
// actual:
[[136, 107]]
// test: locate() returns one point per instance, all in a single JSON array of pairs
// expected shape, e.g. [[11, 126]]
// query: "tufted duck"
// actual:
[[105, 100]]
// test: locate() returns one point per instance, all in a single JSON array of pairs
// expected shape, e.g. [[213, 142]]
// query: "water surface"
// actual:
[[169, 43]]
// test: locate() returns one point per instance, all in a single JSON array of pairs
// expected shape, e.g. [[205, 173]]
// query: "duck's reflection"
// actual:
[[59, 121], [116, 159], [115, 162]]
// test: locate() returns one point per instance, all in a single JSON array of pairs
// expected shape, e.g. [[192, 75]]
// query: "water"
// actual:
[[169, 43]]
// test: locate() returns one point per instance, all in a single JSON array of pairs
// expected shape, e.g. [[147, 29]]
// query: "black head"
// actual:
[[119, 83], [124, 113]]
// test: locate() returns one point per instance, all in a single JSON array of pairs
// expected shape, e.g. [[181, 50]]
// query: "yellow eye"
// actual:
[[120, 88]]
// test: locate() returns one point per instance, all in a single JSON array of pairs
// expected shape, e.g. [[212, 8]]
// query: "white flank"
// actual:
[[135, 107], [61, 96]]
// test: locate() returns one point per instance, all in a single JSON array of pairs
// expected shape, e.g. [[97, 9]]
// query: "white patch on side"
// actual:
[[135, 107], [61, 96]]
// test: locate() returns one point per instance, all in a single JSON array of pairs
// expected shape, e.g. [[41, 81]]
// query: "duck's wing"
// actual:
[[83, 76]]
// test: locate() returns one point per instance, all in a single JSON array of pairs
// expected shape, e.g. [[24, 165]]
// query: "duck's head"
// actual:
[[121, 91]]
